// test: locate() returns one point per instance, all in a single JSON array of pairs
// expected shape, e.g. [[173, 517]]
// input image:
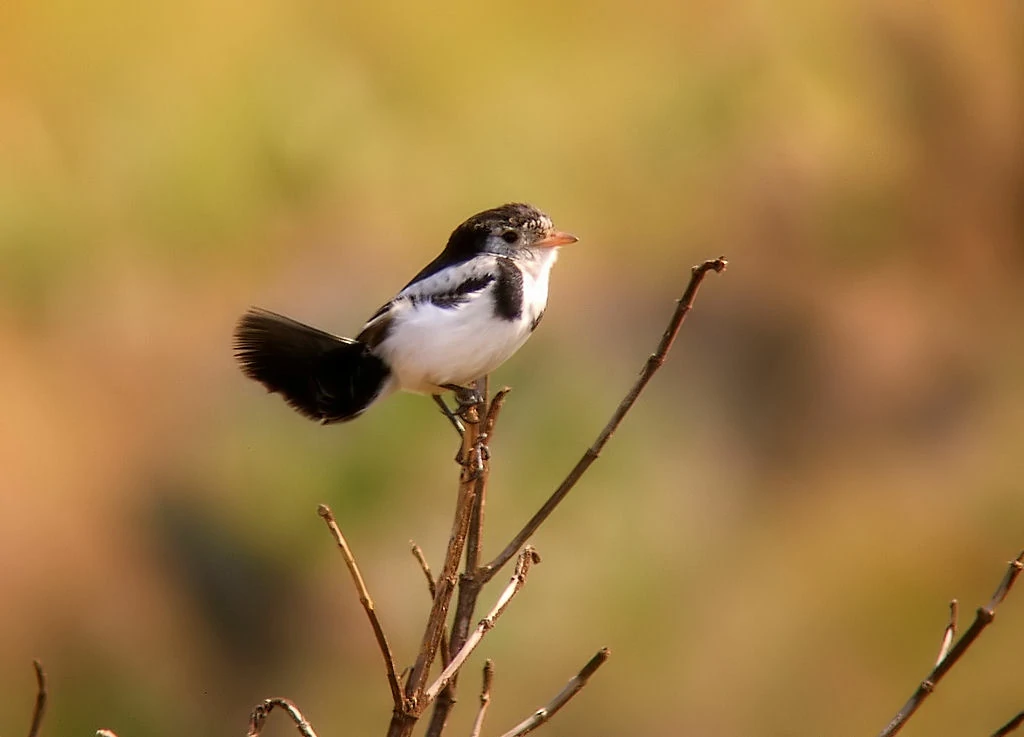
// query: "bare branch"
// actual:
[[474, 538], [472, 455], [417, 552], [654, 362], [259, 717], [1010, 726], [40, 708], [547, 711], [469, 587], [950, 633], [485, 698], [982, 619], [366, 601], [526, 559]]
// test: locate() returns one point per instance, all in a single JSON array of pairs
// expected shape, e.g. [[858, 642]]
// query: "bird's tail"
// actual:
[[324, 377]]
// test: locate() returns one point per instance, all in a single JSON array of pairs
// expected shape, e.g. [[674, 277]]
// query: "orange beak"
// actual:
[[555, 238]]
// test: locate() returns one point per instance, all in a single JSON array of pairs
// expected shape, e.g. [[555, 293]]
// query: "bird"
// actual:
[[463, 315]]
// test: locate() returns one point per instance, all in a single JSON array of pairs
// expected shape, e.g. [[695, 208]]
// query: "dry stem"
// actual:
[[573, 687], [473, 457], [366, 601], [982, 619], [526, 559], [485, 698], [654, 362], [417, 553], [259, 717], [40, 707], [1010, 726], [950, 633]]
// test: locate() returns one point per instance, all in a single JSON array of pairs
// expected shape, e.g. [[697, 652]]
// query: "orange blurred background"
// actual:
[[769, 543]]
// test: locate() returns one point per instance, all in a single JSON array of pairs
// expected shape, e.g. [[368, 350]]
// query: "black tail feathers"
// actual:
[[324, 377]]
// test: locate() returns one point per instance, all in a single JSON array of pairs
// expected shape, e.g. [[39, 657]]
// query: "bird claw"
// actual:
[[467, 398]]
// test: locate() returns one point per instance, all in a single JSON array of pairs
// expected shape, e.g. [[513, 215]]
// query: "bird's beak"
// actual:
[[555, 238]]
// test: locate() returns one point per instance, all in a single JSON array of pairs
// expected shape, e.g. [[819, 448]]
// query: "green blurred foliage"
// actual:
[[769, 543]]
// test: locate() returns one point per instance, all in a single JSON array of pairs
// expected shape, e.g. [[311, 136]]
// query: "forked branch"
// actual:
[[950, 656], [527, 558]]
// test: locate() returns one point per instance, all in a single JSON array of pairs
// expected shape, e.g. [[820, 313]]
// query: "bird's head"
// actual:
[[510, 230]]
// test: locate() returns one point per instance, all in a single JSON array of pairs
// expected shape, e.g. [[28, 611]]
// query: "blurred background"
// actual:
[[769, 544]]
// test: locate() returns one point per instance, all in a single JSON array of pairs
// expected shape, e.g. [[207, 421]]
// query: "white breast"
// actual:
[[429, 346]]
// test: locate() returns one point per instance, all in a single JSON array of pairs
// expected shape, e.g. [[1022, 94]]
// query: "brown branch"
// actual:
[[469, 587], [526, 559], [950, 632], [417, 552], [654, 362], [259, 717], [485, 698], [364, 599], [982, 619], [1010, 726], [547, 711], [40, 708], [472, 456]]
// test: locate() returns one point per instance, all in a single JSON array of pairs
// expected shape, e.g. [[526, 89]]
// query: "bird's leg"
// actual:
[[466, 397], [452, 417]]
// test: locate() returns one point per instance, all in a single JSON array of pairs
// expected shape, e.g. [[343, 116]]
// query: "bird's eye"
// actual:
[[510, 236]]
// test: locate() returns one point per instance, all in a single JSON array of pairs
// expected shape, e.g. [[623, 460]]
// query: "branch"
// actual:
[[982, 619], [654, 362], [469, 587], [950, 633], [364, 599], [1010, 726], [259, 716], [472, 454], [573, 687], [526, 559], [40, 707], [485, 698], [417, 553]]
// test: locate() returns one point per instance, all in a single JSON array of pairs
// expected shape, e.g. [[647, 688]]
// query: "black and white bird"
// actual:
[[460, 318]]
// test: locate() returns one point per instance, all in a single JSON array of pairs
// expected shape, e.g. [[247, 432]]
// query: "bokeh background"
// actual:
[[769, 544]]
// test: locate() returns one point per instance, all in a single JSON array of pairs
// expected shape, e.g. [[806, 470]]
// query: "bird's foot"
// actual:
[[467, 399], [453, 418]]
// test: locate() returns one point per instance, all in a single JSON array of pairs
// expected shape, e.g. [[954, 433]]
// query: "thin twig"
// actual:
[[950, 633], [982, 619], [526, 559], [417, 552], [1010, 726], [485, 698], [364, 599], [654, 362], [547, 711], [259, 717], [40, 708]]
